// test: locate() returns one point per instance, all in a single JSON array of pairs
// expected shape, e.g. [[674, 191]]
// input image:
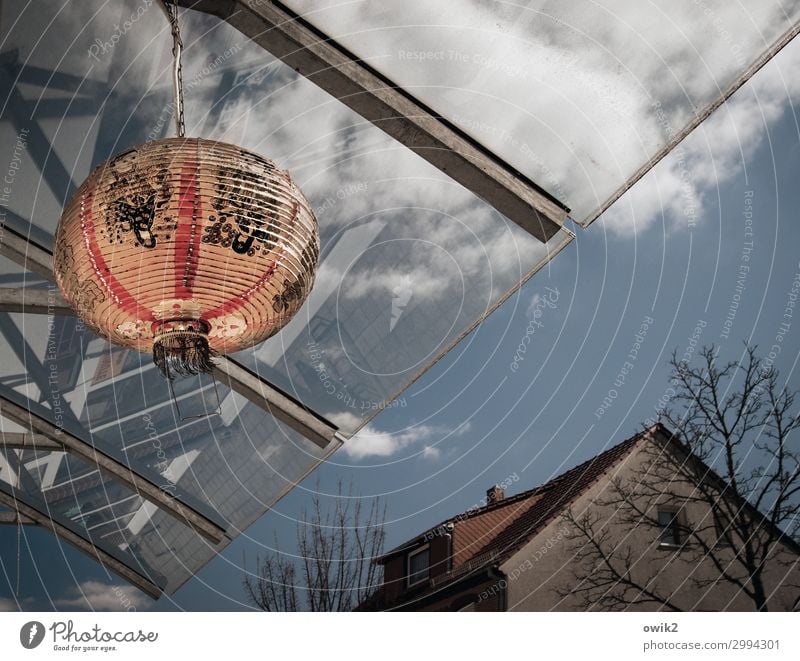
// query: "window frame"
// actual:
[[676, 522], [425, 548], [723, 532]]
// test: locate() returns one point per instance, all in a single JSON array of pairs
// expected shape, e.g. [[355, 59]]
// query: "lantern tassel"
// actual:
[[184, 353]]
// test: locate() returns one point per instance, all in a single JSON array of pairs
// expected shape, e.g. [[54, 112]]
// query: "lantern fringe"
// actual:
[[184, 353]]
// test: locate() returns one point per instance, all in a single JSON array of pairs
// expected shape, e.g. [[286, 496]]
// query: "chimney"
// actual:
[[495, 495]]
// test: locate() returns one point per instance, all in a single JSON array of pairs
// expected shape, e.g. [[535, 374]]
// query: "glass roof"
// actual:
[[230, 467], [581, 97], [410, 262]]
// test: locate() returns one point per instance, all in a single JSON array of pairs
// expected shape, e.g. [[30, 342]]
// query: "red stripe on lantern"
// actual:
[[187, 237], [190, 180]]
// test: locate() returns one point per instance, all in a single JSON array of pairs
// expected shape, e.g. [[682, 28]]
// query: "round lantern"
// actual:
[[187, 248]]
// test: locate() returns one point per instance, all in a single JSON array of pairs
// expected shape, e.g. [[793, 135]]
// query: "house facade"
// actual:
[[626, 530]]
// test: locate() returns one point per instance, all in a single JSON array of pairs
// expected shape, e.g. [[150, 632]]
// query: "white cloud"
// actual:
[[8, 605], [564, 91], [98, 596], [13, 606], [372, 442], [421, 282], [714, 153]]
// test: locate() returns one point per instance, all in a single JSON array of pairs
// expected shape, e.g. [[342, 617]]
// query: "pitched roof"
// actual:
[[490, 534]]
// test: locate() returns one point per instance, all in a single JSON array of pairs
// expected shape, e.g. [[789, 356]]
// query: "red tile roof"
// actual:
[[490, 534], [511, 527]]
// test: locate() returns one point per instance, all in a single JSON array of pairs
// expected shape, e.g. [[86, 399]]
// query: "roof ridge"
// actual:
[[568, 497], [472, 512], [469, 513]]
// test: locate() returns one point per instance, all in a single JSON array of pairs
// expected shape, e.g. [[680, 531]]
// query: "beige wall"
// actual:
[[547, 562]]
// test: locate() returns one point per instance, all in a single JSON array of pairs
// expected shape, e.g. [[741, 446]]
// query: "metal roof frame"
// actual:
[[34, 257], [18, 242], [205, 523], [13, 500], [372, 95]]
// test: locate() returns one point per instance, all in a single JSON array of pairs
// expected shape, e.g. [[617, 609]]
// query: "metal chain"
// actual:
[[171, 10]]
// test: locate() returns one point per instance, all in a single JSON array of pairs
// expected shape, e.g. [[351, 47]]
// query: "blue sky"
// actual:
[[472, 422], [665, 260]]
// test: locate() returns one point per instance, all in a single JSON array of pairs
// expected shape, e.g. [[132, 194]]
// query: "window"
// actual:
[[670, 527], [418, 565], [723, 530]]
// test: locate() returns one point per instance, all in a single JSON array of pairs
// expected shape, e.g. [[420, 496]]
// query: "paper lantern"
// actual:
[[187, 248]]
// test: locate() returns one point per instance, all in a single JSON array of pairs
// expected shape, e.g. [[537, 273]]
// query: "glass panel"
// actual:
[[410, 260], [13, 275], [105, 513], [576, 95], [230, 466], [394, 292]]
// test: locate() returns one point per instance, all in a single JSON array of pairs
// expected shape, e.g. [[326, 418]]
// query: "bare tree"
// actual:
[[736, 519], [335, 566]]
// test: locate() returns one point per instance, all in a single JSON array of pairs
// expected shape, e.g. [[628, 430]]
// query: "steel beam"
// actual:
[[280, 405], [376, 98], [25, 480], [15, 518], [28, 441], [147, 489], [238, 378], [28, 254], [43, 519], [33, 301]]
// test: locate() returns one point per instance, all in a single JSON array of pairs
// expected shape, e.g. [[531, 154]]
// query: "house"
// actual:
[[531, 551]]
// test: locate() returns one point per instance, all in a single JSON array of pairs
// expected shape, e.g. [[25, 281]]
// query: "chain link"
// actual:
[[171, 10]]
